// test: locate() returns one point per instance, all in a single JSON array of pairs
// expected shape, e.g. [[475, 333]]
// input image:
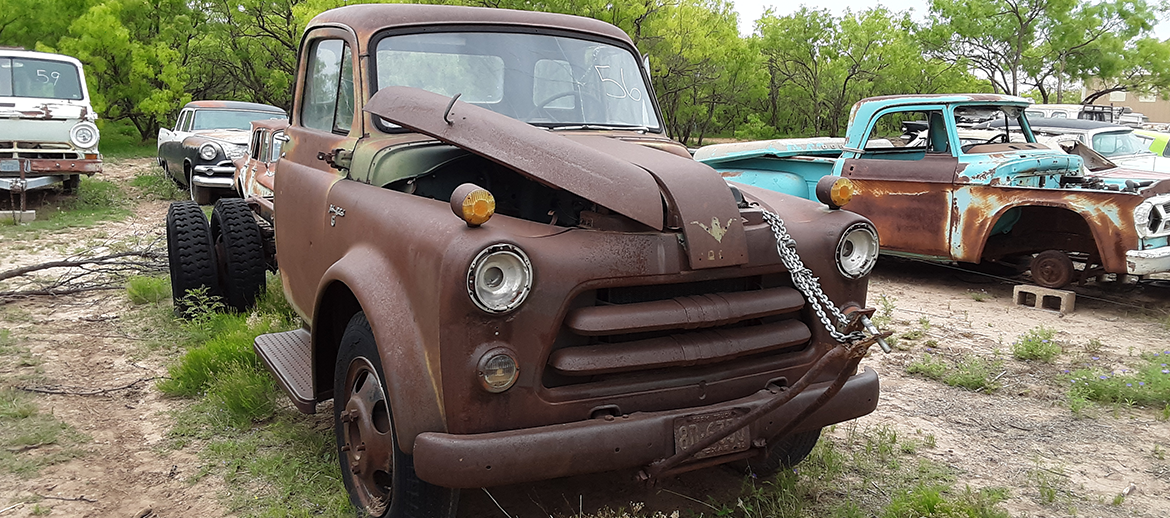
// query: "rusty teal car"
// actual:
[[935, 196]]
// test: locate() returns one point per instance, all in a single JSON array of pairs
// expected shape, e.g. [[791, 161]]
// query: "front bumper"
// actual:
[[213, 182], [1144, 262], [597, 445], [39, 173], [220, 169]]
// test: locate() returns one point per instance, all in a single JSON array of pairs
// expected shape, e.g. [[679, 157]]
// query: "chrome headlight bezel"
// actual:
[[209, 151], [1156, 208], [857, 250], [499, 278], [84, 135]]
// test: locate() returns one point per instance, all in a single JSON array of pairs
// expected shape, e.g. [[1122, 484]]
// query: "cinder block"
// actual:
[[19, 216], [1063, 301]]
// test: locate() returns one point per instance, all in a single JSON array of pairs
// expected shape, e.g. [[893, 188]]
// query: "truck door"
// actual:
[[904, 177], [324, 119]]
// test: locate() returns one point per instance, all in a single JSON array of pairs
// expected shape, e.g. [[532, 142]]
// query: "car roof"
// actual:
[[10, 52], [1070, 124], [232, 105], [365, 19]]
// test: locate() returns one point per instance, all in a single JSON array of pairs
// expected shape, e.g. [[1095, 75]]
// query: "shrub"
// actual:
[[1036, 344], [144, 290]]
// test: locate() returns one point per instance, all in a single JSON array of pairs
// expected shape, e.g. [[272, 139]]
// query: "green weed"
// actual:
[[1094, 346], [157, 186], [96, 201], [1036, 344], [244, 393], [969, 372], [152, 290], [979, 296], [1149, 384], [30, 440]]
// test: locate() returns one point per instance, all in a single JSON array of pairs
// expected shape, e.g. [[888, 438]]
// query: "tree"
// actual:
[[1044, 43]]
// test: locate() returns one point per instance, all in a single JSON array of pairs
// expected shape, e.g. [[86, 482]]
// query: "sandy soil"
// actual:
[[1002, 439]]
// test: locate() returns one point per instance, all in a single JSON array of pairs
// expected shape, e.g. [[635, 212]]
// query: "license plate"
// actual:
[[691, 429], [10, 166]]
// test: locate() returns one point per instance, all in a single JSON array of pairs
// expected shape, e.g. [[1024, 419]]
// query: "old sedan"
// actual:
[[197, 154], [256, 171]]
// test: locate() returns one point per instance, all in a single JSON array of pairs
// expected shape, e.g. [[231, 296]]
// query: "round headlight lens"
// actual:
[[208, 151], [857, 251], [84, 135], [497, 371], [1141, 218], [499, 278]]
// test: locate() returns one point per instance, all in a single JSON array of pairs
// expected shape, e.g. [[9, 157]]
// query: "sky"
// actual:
[[751, 10]]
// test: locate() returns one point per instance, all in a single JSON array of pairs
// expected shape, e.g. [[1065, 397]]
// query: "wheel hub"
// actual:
[[369, 443]]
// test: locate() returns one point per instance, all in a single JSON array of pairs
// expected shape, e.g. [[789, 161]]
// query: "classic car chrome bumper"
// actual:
[[214, 182], [596, 445], [215, 169], [1143, 262]]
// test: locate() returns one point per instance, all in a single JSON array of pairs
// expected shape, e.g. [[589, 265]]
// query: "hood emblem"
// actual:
[[716, 230]]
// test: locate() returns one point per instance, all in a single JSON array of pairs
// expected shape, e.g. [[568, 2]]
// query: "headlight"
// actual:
[[857, 251], [84, 135], [497, 370], [208, 151], [1151, 216], [499, 278]]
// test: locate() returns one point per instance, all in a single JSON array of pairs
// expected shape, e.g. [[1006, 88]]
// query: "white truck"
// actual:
[[47, 130]]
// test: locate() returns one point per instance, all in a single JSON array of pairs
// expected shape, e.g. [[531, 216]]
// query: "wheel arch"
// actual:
[[1056, 215], [365, 281]]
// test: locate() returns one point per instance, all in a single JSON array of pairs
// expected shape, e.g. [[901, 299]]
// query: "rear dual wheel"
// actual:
[[240, 251], [379, 476], [190, 255]]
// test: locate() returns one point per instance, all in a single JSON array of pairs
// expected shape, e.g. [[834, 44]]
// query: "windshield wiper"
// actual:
[[599, 127]]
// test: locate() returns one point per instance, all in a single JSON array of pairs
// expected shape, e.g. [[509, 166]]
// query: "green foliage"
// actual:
[[1148, 384], [96, 201], [120, 139], [143, 290], [244, 393], [969, 372], [157, 186], [1036, 344]]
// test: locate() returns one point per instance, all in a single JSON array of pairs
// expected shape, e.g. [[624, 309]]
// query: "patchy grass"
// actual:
[[96, 201], [1147, 384], [30, 439], [969, 372], [120, 140], [158, 187], [1037, 344], [148, 290], [907, 485]]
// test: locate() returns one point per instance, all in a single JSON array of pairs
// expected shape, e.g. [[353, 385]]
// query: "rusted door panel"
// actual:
[[907, 200], [1106, 214], [535, 152]]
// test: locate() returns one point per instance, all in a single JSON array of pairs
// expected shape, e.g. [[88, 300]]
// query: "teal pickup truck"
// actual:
[[935, 194]]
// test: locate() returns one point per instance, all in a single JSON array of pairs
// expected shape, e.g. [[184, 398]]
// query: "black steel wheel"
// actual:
[[380, 478], [783, 452], [1052, 269], [240, 249], [190, 253]]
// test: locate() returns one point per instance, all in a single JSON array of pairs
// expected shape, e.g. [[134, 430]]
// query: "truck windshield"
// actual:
[[39, 79], [230, 119], [540, 79], [1119, 143]]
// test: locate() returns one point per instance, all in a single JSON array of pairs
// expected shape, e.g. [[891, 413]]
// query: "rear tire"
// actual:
[[190, 254], [379, 477], [784, 452], [240, 249]]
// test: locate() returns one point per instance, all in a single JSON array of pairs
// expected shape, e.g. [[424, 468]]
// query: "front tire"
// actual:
[[379, 477], [200, 195], [240, 249], [190, 254], [784, 452]]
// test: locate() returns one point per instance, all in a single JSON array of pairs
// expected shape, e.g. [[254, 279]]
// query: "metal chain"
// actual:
[[804, 280]]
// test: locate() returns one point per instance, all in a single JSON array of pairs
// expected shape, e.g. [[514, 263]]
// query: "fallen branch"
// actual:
[[80, 392], [68, 263], [81, 498], [85, 274]]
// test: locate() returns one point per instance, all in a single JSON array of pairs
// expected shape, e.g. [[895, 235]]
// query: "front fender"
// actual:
[[411, 367]]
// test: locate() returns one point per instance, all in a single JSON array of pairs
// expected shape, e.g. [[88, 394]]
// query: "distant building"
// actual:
[[1156, 109]]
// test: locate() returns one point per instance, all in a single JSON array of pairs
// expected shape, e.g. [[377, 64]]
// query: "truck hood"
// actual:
[[45, 109], [231, 136], [653, 187]]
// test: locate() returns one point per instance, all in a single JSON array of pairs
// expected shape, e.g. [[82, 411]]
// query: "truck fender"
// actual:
[[1103, 230], [363, 280]]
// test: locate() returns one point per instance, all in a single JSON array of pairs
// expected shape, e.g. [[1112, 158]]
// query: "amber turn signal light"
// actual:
[[834, 191], [473, 204]]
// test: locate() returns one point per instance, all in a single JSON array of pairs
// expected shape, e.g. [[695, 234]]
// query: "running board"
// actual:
[[288, 355]]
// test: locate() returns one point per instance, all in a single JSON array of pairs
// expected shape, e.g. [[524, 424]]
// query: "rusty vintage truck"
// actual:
[[508, 272], [935, 195]]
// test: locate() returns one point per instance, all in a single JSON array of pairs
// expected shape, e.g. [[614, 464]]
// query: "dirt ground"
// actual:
[[126, 468]]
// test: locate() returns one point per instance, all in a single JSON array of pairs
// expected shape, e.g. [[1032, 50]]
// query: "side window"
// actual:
[[187, 122], [264, 140], [182, 119], [255, 145], [327, 102], [912, 132]]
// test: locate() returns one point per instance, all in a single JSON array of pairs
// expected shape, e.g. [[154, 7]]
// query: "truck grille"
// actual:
[[619, 332], [39, 150]]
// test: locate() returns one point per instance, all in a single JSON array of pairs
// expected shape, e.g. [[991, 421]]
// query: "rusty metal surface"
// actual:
[[550, 158], [707, 310], [604, 444], [695, 348]]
